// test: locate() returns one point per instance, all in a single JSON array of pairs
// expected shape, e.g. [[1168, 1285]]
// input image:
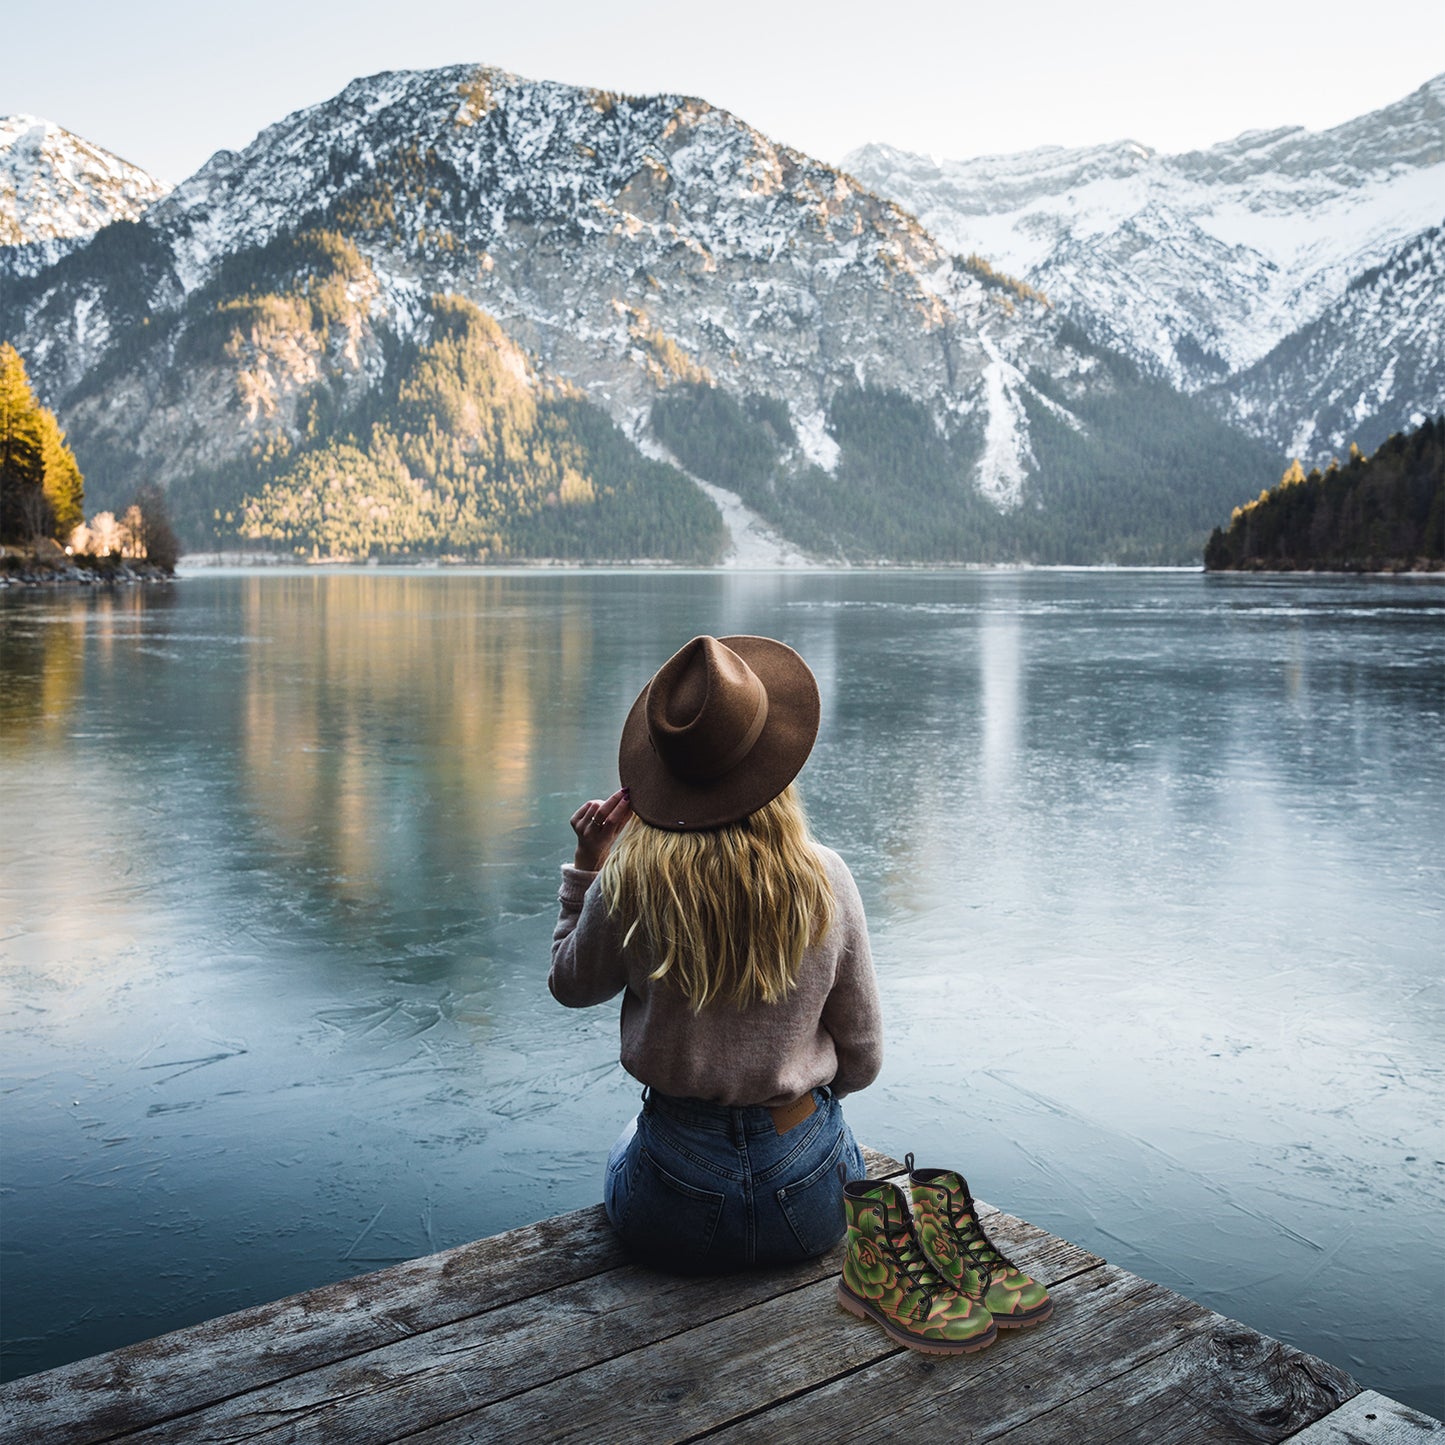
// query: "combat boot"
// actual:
[[959, 1250], [887, 1278]]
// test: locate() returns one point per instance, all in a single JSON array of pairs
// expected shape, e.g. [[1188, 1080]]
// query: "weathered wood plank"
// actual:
[[705, 1378], [548, 1333], [1371, 1419], [128, 1389], [461, 1367], [1227, 1385], [693, 1380], [880, 1166], [1105, 1322]]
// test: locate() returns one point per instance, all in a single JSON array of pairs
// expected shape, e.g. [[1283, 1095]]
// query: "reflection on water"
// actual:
[[998, 678], [1152, 863], [388, 716], [43, 663]]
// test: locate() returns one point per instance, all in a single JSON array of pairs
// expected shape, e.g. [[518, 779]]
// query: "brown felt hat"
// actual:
[[722, 728]]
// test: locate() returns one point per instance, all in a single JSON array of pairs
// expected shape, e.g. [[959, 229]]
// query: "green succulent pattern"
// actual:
[[959, 1248], [947, 1256], [1014, 1295], [888, 1274]]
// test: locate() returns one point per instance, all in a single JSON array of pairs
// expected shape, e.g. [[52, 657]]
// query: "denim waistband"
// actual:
[[722, 1118]]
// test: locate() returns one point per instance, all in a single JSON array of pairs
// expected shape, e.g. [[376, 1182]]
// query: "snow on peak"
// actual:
[[629, 243], [1195, 265], [1372, 363], [54, 186], [471, 153]]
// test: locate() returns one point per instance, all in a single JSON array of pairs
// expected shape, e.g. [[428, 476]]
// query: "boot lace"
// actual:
[[980, 1249], [914, 1267]]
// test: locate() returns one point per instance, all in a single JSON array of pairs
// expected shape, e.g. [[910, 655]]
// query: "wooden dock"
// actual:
[[548, 1333]]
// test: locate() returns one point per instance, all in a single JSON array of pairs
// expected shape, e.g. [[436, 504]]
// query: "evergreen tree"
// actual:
[[470, 456], [1382, 513]]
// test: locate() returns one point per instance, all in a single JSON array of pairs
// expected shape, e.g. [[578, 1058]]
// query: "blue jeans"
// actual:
[[700, 1188]]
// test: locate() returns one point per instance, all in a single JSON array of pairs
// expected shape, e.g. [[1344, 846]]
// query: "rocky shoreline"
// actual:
[[16, 571]]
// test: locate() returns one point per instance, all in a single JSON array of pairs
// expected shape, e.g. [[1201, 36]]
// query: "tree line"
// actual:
[[464, 454], [1383, 513], [1136, 477]]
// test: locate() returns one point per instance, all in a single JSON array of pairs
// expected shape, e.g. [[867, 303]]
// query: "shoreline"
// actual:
[[193, 563], [127, 574], [130, 573], [1420, 567]]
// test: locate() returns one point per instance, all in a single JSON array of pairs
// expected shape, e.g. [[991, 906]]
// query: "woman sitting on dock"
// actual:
[[739, 945]]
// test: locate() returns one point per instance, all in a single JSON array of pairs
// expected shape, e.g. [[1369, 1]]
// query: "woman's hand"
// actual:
[[597, 824]]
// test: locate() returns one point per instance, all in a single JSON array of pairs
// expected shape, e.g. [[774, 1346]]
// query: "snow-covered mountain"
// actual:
[[614, 238], [1369, 364], [57, 189], [637, 250], [1197, 265]]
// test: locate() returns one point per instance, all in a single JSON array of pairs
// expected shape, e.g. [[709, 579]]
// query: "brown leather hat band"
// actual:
[[745, 743]]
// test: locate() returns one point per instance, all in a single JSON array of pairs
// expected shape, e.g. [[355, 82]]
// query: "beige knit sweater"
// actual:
[[827, 1031]]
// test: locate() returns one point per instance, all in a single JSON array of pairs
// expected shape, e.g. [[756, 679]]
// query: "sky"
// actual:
[[165, 83]]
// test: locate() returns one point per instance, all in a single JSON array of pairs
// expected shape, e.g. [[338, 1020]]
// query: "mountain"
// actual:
[[1324, 386], [1196, 266], [57, 189], [734, 308]]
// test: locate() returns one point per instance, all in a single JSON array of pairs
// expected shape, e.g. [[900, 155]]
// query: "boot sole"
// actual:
[[860, 1307], [1035, 1316]]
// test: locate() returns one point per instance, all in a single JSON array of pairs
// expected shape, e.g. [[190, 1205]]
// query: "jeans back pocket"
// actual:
[[813, 1205], [668, 1221]]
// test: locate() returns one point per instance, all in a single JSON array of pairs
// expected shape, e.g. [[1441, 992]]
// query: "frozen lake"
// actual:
[[1153, 863]]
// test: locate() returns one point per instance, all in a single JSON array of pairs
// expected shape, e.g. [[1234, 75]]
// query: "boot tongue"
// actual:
[[892, 1211], [898, 1225], [895, 1214], [955, 1183], [889, 1199], [884, 1199]]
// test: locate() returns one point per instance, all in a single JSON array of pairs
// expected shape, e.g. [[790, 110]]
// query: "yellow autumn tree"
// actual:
[[41, 488]]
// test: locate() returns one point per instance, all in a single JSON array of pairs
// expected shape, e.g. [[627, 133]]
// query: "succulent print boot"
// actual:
[[886, 1278], [958, 1248]]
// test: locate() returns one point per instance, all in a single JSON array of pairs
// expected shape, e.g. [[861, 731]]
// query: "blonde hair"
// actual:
[[725, 913]]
